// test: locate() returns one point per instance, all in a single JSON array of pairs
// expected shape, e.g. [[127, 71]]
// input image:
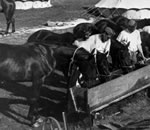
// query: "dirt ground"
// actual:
[[133, 112]]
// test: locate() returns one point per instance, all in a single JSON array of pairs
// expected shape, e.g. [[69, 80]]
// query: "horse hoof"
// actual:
[[6, 34], [38, 122], [36, 125]]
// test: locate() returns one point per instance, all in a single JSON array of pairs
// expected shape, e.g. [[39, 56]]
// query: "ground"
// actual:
[[14, 97]]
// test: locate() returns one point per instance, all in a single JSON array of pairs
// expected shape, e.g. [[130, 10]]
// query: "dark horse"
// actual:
[[120, 55], [117, 23], [49, 36], [8, 8], [80, 31]]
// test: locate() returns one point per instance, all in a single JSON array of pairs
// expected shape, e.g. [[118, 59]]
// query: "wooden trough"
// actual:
[[117, 89]]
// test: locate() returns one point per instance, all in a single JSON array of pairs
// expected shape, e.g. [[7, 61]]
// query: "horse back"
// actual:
[[51, 37]]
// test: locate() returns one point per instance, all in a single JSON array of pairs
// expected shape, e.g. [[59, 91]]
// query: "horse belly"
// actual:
[[8, 74]]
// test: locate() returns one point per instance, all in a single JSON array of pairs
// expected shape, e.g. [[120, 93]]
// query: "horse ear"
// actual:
[[106, 53], [128, 44]]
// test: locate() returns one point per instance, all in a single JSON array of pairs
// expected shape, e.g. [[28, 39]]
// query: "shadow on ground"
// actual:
[[14, 99]]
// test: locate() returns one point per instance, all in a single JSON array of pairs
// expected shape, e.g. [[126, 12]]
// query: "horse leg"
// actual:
[[10, 20], [8, 25], [33, 110], [13, 25]]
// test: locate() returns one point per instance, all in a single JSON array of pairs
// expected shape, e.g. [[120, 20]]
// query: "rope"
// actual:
[[98, 17]]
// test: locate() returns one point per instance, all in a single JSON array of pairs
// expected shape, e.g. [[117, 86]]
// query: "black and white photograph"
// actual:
[[74, 64]]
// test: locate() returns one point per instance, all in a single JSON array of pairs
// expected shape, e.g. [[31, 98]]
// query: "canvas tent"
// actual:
[[126, 4], [134, 9], [28, 4]]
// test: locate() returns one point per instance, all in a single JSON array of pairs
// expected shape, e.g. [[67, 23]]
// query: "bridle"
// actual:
[[72, 61], [98, 75]]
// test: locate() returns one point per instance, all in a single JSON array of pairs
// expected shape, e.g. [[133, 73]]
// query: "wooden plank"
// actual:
[[119, 88]]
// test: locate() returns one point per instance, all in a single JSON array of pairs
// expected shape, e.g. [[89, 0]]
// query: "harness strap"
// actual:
[[44, 58], [72, 60]]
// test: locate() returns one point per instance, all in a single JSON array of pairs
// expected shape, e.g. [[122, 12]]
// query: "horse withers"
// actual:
[[8, 8]]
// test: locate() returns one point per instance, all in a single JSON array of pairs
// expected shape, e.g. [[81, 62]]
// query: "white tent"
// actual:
[[126, 4], [140, 14], [29, 4], [23, 5], [136, 9]]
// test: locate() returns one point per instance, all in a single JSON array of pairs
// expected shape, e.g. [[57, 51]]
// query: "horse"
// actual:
[[34, 62], [117, 23], [121, 21], [8, 8], [49, 36], [120, 56], [80, 31], [103, 23]]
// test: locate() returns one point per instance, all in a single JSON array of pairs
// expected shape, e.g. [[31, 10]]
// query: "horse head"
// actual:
[[83, 61], [94, 71], [103, 66], [120, 55], [124, 58]]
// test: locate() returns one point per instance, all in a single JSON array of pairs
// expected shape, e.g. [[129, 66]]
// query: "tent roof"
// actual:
[[127, 4]]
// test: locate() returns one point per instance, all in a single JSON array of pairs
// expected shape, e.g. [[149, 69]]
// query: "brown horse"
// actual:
[[8, 8]]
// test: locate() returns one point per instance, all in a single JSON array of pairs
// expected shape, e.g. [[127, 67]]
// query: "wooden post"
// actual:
[[64, 119], [73, 99]]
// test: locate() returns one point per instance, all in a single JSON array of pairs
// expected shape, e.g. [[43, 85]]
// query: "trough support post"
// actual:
[[73, 99], [64, 119]]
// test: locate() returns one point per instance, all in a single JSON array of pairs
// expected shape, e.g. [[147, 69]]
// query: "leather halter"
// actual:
[[72, 60]]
